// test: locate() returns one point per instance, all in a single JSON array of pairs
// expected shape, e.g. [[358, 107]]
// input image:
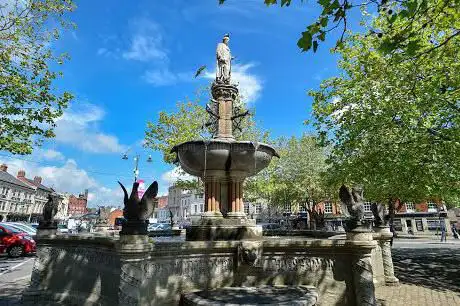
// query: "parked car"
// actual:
[[23, 227], [15, 242], [62, 228]]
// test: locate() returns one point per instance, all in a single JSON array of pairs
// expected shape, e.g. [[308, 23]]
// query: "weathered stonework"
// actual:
[[383, 235], [134, 271]]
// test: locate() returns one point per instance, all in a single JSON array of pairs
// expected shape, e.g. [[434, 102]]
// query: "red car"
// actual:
[[15, 242]]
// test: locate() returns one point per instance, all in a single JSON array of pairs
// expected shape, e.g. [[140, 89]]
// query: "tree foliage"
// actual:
[[295, 178], [29, 101], [410, 23], [392, 119]]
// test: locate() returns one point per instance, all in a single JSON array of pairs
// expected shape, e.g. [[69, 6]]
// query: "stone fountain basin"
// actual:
[[223, 157]]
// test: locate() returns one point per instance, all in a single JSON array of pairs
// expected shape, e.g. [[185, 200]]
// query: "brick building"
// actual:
[[78, 205], [424, 218]]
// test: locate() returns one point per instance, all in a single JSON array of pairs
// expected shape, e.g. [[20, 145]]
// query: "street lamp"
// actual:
[[136, 163]]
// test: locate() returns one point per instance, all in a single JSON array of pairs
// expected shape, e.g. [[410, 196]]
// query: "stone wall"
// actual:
[[74, 271], [106, 271]]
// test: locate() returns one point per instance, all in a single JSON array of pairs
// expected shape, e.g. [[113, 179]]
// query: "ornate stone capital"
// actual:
[[224, 92]]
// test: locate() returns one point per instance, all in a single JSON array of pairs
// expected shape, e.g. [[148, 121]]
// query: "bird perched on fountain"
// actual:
[[378, 210], [354, 202], [136, 211]]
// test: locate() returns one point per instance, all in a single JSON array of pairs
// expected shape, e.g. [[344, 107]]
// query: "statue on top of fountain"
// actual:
[[224, 61]]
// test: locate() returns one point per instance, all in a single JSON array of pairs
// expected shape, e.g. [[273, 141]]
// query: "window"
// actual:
[[419, 225], [433, 225], [367, 206], [258, 208], [201, 207], [432, 207], [328, 208], [410, 207], [195, 208], [246, 208], [397, 225]]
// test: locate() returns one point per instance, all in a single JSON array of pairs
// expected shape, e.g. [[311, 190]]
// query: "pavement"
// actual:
[[428, 271], [14, 278]]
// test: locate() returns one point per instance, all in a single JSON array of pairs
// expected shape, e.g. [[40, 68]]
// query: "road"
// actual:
[[14, 276]]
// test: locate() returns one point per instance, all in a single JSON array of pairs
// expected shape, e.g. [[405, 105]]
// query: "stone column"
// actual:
[[134, 251], [212, 199], [425, 225], [224, 95], [361, 265], [363, 281], [404, 225], [237, 200], [384, 238]]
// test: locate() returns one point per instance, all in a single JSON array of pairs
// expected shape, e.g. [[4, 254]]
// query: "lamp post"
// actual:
[[136, 163]]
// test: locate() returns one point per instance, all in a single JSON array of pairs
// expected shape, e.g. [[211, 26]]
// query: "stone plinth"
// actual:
[[383, 235], [277, 295], [224, 229], [101, 228]]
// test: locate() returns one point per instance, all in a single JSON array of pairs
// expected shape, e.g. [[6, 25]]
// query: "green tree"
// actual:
[[411, 22], [297, 177], [29, 101], [392, 119]]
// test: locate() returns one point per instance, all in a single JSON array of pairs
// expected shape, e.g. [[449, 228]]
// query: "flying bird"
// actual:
[[200, 70]]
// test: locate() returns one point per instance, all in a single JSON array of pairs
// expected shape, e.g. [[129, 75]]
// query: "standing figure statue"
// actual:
[[49, 211], [224, 61]]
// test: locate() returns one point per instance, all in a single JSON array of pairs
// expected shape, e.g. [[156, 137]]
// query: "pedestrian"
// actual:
[[454, 231], [443, 233]]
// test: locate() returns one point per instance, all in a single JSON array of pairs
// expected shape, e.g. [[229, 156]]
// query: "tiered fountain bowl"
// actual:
[[224, 157]]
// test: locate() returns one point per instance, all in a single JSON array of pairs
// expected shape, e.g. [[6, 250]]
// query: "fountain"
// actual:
[[223, 163], [225, 259]]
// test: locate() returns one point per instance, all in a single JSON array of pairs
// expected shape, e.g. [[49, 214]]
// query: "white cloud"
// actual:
[[250, 85], [67, 177], [102, 51], [78, 127], [173, 175], [147, 43], [51, 154], [165, 77]]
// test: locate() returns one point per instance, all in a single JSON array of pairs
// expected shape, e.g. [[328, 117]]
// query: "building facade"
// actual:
[[41, 194], [175, 205], [17, 198], [78, 205]]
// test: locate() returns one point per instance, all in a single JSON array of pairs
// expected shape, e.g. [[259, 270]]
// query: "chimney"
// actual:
[[21, 173], [37, 180], [3, 167], [86, 194]]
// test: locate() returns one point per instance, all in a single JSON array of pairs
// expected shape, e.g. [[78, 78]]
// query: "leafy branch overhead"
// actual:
[[410, 23], [29, 102], [393, 119]]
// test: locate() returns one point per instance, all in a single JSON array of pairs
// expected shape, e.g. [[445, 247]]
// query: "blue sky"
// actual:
[[130, 60]]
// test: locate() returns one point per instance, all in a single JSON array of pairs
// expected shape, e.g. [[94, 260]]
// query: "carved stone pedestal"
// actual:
[[363, 278], [46, 232], [134, 228], [134, 252], [101, 228], [383, 237], [47, 228], [360, 233]]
